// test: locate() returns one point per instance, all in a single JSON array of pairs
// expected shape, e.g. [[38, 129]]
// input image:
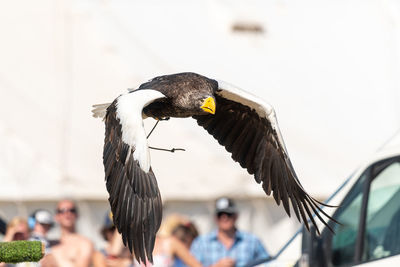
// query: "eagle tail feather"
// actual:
[[100, 110]]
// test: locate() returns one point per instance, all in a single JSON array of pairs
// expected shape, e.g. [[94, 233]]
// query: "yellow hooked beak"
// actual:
[[209, 105]]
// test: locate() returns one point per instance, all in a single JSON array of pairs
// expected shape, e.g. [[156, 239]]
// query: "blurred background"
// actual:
[[330, 68]]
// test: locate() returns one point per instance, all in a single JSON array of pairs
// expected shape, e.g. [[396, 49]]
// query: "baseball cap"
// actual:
[[43, 217], [108, 220], [225, 204]]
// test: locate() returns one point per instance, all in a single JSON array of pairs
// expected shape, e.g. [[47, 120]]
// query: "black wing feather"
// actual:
[[134, 196], [255, 145]]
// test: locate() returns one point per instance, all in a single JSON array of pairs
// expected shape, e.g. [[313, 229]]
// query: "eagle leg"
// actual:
[[168, 150]]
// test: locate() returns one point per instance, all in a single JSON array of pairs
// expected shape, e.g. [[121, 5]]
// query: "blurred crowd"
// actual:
[[177, 242]]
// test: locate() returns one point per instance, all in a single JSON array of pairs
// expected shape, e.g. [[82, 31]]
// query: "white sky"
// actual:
[[330, 69]]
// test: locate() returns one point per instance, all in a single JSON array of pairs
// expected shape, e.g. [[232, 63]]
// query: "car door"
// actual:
[[369, 233]]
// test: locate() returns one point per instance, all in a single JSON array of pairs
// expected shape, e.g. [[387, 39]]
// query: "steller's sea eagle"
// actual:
[[243, 123]]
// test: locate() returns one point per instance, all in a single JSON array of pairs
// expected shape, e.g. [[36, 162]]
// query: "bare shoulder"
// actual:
[[172, 240], [86, 241], [81, 241], [176, 244]]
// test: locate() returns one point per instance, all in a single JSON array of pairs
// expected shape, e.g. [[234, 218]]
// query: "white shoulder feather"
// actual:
[[236, 94], [262, 108], [129, 112]]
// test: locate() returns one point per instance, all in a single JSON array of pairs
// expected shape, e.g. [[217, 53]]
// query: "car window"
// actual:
[[369, 220], [348, 214], [382, 232]]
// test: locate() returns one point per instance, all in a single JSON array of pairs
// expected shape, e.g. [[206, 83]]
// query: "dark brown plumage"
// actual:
[[134, 195], [245, 125], [255, 146]]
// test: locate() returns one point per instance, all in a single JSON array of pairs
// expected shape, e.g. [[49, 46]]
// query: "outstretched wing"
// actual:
[[133, 191], [247, 127]]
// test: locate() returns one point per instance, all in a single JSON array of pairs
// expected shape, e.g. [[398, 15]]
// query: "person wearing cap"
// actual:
[[227, 246], [41, 221], [108, 228]]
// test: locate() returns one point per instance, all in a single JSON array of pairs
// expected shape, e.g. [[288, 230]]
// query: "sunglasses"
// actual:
[[229, 215], [62, 211]]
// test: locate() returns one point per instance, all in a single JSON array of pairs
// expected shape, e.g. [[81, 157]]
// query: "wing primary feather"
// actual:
[[117, 183], [201, 120], [141, 234], [131, 234], [115, 195], [324, 204], [121, 210], [303, 216], [108, 162], [137, 183], [214, 124], [146, 232], [240, 144], [147, 186], [231, 138], [295, 207], [268, 161], [137, 221], [311, 204], [158, 210], [151, 230], [274, 177], [128, 238], [124, 239], [204, 120], [259, 159], [151, 245], [130, 169], [322, 211], [284, 188], [123, 153], [225, 129], [244, 149], [251, 154], [310, 216], [127, 222], [107, 151], [141, 215], [153, 186]]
